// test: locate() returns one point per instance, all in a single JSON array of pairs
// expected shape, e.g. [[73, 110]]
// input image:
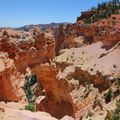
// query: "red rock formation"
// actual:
[[85, 15], [33, 49], [29, 50], [98, 80], [103, 30], [58, 101], [59, 38], [10, 80]]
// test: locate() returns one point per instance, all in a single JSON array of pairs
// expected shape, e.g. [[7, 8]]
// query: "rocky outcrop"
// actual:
[[66, 37], [11, 81], [90, 64], [32, 48], [58, 101], [59, 38], [105, 30], [27, 50], [85, 15], [90, 71]]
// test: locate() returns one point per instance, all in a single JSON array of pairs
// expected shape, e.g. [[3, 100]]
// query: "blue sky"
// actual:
[[15, 13]]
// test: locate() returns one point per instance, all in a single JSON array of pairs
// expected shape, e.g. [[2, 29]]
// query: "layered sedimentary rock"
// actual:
[[80, 72], [85, 15], [58, 101], [11, 81], [103, 30], [90, 71], [24, 50], [34, 48]]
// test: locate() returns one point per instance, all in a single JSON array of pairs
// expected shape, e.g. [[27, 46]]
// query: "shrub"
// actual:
[[102, 55], [30, 106], [115, 66], [109, 96], [104, 10], [30, 87], [116, 113]]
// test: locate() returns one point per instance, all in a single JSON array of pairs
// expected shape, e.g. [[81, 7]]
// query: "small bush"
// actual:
[[115, 66], [30, 107], [30, 87], [114, 115], [102, 55], [109, 96]]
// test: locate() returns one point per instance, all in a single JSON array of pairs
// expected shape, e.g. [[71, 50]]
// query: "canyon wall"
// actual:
[[80, 33], [24, 50]]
